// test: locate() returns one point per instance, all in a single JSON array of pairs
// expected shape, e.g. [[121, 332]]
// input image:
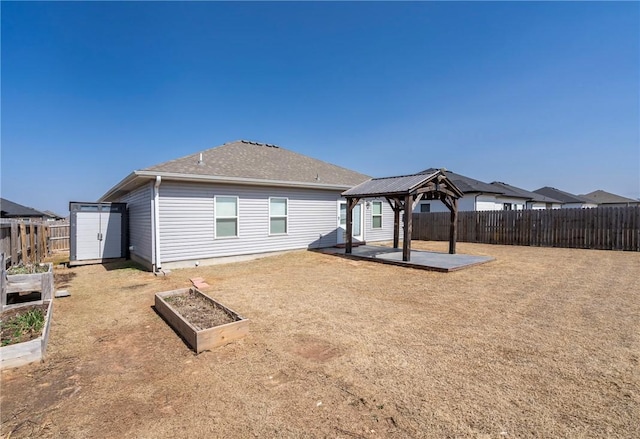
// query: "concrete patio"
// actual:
[[421, 259]]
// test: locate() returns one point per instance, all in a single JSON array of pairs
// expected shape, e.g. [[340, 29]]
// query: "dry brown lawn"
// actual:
[[539, 343]]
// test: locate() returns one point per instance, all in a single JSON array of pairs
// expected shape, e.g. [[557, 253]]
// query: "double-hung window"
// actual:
[[226, 213], [278, 216], [376, 215]]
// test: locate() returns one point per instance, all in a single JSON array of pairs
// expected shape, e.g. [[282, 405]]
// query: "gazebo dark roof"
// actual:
[[379, 187]]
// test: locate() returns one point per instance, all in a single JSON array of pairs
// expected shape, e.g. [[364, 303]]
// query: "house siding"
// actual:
[[386, 232], [140, 213], [187, 221]]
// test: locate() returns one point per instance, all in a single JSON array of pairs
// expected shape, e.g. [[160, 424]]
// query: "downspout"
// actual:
[[156, 211]]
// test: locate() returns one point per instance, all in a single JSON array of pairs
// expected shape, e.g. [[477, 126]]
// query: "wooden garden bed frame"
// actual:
[[204, 339], [16, 283], [19, 354]]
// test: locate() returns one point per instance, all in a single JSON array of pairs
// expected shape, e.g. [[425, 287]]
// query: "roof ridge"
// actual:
[[407, 175], [251, 142]]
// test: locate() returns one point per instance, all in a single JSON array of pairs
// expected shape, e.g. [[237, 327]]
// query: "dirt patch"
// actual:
[[314, 349], [198, 311], [62, 277], [542, 342]]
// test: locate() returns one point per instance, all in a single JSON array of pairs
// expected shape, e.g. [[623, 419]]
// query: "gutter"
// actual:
[[156, 220], [238, 180]]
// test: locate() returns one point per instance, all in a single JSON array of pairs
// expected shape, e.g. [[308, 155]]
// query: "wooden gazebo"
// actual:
[[403, 193]]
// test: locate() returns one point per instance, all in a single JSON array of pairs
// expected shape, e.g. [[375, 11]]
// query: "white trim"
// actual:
[[130, 181], [286, 216], [216, 217]]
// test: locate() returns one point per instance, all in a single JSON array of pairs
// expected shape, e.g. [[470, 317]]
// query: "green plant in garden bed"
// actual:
[[28, 269], [21, 326]]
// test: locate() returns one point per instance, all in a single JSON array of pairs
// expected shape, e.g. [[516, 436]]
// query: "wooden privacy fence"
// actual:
[[24, 241], [605, 228]]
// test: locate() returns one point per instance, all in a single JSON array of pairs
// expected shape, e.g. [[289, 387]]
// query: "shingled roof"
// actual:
[[246, 162], [564, 197], [466, 184], [522, 193], [604, 197], [261, 161], [9, 209]]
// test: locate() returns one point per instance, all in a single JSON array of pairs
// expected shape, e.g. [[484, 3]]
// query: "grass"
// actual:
[[28, 269], [22, 326], [541, 342]]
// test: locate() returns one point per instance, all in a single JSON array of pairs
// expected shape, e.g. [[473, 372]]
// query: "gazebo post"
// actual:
[[453, 228], [396, 225], [406, 244]]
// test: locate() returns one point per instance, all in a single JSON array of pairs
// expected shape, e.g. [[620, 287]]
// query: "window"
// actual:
[[278, 210], [507, 206], [376, 215], [226, 213], [425, 207]]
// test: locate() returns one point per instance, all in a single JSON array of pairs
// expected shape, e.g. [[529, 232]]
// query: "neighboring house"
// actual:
[[569, 201], [52, 216], [478, 196], [607, 199], [241, 198], [9, 209], [534, 200]]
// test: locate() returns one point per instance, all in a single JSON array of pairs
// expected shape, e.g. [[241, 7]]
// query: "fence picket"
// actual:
[[608, 228]]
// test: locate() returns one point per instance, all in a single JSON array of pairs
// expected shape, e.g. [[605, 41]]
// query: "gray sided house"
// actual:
[[478, 196], [568, 200], [607, 199], [241, 198], [533, 200]]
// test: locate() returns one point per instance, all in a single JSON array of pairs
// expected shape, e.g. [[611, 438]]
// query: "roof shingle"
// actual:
[[260, 161]]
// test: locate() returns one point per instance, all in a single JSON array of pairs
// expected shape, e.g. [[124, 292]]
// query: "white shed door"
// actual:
[[111, 235], [98, 234], [87, 234]]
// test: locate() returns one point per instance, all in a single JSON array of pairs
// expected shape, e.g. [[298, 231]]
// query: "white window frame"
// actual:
[[373, 215], [286, 217], [216, 217]]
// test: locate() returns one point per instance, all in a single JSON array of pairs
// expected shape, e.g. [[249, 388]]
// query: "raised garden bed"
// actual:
[[25, 282], [201, 321], [24, 346]]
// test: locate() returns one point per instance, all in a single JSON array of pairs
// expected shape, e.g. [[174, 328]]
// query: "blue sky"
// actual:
[[532, 94]]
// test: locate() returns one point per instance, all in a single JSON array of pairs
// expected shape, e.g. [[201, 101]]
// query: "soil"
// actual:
[[198, 311], [7, 332], [28, 269], [541, 342]]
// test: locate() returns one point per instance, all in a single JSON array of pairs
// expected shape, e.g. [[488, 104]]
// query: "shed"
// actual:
[[98, 232]]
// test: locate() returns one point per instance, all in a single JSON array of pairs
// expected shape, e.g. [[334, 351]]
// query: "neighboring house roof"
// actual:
[[603, 197], [466, 184], [562, 196], [9, 209], [247, 162], [523, 193], [52, 215]]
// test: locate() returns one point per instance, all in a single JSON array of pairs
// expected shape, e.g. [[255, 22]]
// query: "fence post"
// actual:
[[14, 243]]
